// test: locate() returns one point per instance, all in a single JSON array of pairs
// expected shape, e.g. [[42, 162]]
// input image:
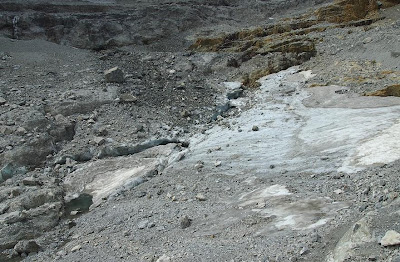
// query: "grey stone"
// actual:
[[232, 62], [127, 98], [2, 101], [123, 150], [11, 218], [10, 170], [27, 246], [20, 131], [200, 197], [70, 162], [217, 163], [80, 202], [396, 259], [185, 113], [141, 194], [99, 140], [391, 238], [304, 251], [199, 165], [31, 181], [395, 54], [160, 228], [363, 207], [255, 128], [185, 222], [139, 128], [70, 224], [3, 208], [114, 75], [143, 224], [61, 253], [60, 118], [74, 213], [101, 131], [6, 130], [76, 248], [234, 91], [164, 258]]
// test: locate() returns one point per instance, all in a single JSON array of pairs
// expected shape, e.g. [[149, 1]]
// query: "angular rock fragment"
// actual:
[[31, 181], [235, 90], [10, 170], [185, 222], [391, 238], [6, 130], [164, 258], [76, 248], [114, 75], [200, 197], [20, 131], [127, 98], [99, 140], [27, 246], [143, 224]]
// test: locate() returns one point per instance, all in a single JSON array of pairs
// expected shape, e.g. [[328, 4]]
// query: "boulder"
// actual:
[[234, 90], [391, 238], [10, 170], [127, 98], [27, 246], [185, 222], [114, 75], [31, 181]]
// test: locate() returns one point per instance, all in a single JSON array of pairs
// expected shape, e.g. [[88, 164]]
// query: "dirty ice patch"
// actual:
[[287, 211], [106, 178], [301, 129], [351, 138], [303, 214], [259, 195], [383, 148]]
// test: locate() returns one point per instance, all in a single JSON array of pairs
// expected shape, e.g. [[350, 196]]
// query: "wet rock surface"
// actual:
[[199, 130]]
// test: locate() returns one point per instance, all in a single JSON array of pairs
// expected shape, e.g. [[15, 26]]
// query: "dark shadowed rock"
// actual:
[[114, 75], [185, 222], [27, 246], [31, 181]]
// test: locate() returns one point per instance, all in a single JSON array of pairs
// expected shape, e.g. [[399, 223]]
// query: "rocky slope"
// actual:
[[229, 131]]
